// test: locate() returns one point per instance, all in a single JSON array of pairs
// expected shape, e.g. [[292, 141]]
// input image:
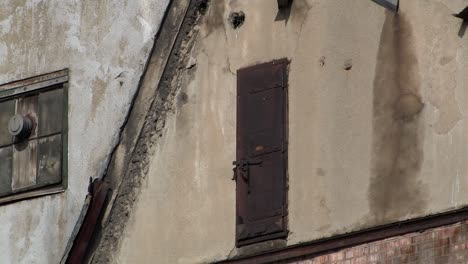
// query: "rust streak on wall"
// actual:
[[395, 189]]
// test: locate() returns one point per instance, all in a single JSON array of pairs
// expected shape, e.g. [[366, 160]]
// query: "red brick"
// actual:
[[374, 248], [442, 251], [406, 241], [427, 254], [321, 260], [391, 253], [445, 245], [407, 250], [449, 232], [423, 237], [442, 260], [336, 256], [442, 242], [359, 260], [425, 245]]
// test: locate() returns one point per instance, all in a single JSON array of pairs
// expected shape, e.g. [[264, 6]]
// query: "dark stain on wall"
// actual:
[[215, 17], [182, 99], [320, 172], [395, 189]]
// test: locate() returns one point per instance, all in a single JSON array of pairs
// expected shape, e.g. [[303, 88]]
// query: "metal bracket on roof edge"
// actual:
[[390, 4], [283, 3], [463, 14]]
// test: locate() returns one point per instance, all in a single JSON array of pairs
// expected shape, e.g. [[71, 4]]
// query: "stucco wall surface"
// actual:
[[381, 142], [105, 44]]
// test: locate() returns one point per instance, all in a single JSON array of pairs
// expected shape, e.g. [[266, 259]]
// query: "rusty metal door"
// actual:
[[260, 171]]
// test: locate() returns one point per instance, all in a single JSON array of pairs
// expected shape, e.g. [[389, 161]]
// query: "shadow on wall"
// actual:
[[462, 30], [395, 190]]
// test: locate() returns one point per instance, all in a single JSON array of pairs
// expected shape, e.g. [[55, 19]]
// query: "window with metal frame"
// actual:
[[261, 166], [33, 136]]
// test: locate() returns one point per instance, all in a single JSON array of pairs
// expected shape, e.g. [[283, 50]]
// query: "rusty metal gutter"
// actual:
[[98, 194]]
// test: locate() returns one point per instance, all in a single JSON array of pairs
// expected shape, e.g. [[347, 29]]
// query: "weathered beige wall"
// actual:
[[382, 142], [105, 45]]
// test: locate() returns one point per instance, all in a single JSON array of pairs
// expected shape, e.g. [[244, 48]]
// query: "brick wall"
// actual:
[[444, 245]]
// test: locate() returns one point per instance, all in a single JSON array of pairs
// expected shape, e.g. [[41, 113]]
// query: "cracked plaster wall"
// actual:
[[381, 142], [105, 44]]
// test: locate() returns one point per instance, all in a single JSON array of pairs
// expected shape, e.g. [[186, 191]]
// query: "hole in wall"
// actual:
[[236, 19], [202, 6]]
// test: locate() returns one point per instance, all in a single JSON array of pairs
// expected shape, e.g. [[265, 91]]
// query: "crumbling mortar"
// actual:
[[163, 104]]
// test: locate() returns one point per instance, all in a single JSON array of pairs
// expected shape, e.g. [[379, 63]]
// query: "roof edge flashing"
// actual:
[[393, 5]]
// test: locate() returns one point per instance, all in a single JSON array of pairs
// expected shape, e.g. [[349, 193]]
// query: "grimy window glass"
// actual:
[[33, 136], [260, 171]]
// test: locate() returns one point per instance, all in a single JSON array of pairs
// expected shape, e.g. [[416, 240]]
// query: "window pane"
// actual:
[[6, 156], [50, 160], [24, 164], [7, 110], [50, 112]]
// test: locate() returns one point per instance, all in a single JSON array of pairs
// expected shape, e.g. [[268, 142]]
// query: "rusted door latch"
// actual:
[[242, 168]]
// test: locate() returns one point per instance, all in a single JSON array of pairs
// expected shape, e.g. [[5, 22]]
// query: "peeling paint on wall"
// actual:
[[97, 41]]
